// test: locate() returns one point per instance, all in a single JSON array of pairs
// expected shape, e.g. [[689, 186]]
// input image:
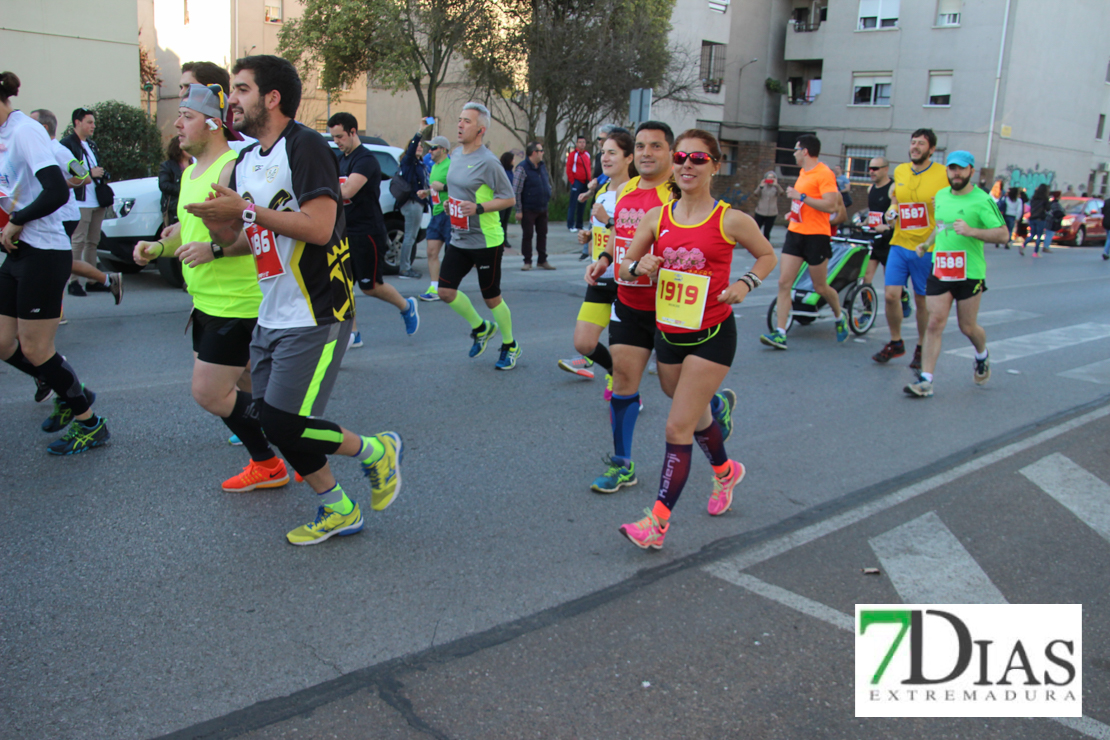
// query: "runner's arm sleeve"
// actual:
[[54, 195]]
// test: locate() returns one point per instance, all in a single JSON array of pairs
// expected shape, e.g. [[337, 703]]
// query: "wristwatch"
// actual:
[[478, 207], [632, 269], [217, 250], [248, 214], [802, 199]]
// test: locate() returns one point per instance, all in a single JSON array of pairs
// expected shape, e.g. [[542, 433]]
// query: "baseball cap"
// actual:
[[210, 101], [960, 158], [441, 142]]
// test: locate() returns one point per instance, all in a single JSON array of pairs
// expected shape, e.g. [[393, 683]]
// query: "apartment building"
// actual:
[[1024, 85], [60, 48], [221, 31]]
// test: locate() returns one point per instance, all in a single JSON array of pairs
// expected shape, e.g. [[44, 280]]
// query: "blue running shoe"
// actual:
[[429, 295], [62, 415], [510, 353], [775, 339], [725, 402], [354, 341], [842, 328], [80, 438], [481, 337], [615, 478], [234, 440], [411, 317], [907, 307]]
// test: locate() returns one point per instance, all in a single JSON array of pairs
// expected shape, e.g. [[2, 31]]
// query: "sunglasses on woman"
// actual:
[[695, 157]]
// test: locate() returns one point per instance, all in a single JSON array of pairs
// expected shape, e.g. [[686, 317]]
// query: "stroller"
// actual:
[[850, 255]]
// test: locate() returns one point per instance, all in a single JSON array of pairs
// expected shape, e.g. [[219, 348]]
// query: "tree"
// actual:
[[398, 44], [571, 64], [130, 143]]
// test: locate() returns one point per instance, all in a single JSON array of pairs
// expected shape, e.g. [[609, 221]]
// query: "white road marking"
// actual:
[[1077, 490], [1096, 372], [798, 603], [927, 565], [1034, 344]]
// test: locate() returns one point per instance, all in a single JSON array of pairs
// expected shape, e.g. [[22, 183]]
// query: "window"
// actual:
[[871, 89], [1107, 67], [721, 6], [948, 12], [712, 66], [940, 88], [803, 91], [1101, 125], [878, 14], [321, 125], [713, 127], [857, 158], [940, 154], [273, 11]]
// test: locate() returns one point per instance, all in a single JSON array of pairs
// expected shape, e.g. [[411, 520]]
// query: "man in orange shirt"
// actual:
[[808, 237]]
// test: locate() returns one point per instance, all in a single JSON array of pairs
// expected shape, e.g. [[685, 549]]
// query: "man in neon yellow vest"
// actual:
[[225, 291]]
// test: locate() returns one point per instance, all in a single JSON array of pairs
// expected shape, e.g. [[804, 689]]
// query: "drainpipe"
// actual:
[[997, 83]]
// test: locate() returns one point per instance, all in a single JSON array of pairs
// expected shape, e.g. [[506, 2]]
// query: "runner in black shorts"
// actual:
[[360, 179], [878, 203], [31, 278], [813, 248], [961, 290]]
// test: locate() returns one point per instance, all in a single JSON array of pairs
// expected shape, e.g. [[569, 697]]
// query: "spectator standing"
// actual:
[[1070, 192], [412, 206], [439, 230], [767, 206], [169, 179], [1053, 221], [1038, 209], [508, 161], [578, 178], [86, 236], [1012, 208], [533, 192]]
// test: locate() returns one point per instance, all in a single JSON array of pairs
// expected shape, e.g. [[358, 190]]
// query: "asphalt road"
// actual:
[[139, 599]]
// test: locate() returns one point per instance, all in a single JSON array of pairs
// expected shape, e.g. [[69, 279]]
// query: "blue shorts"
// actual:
[[440, 229], [903, 264]]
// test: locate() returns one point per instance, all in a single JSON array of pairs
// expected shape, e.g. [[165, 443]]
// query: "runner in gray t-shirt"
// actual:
[[478, 188]]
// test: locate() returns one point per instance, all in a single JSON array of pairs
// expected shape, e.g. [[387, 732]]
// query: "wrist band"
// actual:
[[162, 249], [607, 256], [754, 278], [747, 281]]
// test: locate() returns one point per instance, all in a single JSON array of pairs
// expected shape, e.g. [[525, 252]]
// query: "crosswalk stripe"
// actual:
[[1034, 344], [1077, 490], [1096, 372], [795, 601], [927, 564]]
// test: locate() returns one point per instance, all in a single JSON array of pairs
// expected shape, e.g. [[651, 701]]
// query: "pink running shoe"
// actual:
[[720, 500], [647, 533]]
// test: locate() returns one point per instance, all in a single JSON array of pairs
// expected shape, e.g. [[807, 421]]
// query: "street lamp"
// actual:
[[148, 88]]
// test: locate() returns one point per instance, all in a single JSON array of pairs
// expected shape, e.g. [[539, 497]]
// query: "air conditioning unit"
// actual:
[[1104, 167]]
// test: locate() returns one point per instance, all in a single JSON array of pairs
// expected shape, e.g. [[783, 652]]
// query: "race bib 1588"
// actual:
[[950, 266]]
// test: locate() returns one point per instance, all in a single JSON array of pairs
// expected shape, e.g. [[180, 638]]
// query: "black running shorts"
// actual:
[[32, 282], [222, 341], [633, 327], [457, 264], [716, 344], [961, 290], [813, 248], [368, 258]]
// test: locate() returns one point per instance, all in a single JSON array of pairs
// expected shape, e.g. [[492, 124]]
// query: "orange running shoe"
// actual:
[[258, 475]]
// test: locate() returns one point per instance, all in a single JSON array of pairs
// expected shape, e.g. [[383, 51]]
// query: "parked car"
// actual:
[[1082, 223], [137, 217]]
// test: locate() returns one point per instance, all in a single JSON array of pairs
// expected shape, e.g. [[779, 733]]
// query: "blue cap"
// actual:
[[960, 158]]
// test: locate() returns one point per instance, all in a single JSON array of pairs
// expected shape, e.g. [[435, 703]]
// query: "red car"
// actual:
[[1082, 222]]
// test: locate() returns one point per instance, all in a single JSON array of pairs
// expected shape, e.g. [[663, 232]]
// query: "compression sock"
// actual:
[[433, 287], [60, 376], [463, 307], [601, 356], [20, 362], [335, 498], [243, 423], [711, 440], [676, 469], [372, 450], [504, 319], [623, 411]]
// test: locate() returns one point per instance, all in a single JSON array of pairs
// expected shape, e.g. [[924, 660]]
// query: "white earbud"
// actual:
[[212, 125]]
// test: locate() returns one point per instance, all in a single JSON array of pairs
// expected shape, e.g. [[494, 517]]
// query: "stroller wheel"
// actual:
[[862, 305], [772, 318]]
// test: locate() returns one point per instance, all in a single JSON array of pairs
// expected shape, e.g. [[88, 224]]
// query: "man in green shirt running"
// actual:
[[225, 291], [966, 216], [439, 230]]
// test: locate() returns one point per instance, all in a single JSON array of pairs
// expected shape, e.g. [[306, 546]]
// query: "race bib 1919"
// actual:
[[680, 299]]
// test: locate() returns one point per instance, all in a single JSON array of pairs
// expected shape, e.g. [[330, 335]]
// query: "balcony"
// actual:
[[805, 40]]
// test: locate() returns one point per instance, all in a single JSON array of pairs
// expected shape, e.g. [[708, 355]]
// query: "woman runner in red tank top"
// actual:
[[687, 248]]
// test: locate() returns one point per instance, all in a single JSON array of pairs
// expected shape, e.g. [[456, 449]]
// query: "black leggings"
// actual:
[[766, 223]]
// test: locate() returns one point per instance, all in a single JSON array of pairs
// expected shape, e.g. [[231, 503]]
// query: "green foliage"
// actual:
[[130, 144], [774, 86]]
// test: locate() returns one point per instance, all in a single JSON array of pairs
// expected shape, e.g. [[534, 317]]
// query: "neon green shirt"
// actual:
[[226, 287], [439, 174], [979, 211]]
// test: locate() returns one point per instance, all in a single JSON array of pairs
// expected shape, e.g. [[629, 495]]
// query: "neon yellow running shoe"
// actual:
[[385, 472], [327, 523]]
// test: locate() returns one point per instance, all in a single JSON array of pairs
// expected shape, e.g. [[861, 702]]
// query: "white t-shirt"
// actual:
[[608, 201], [24, 150], [70, 211], [90, 189]]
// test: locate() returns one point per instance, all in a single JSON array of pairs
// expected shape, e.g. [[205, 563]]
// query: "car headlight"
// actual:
[[123, 206], [1068, 221]]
